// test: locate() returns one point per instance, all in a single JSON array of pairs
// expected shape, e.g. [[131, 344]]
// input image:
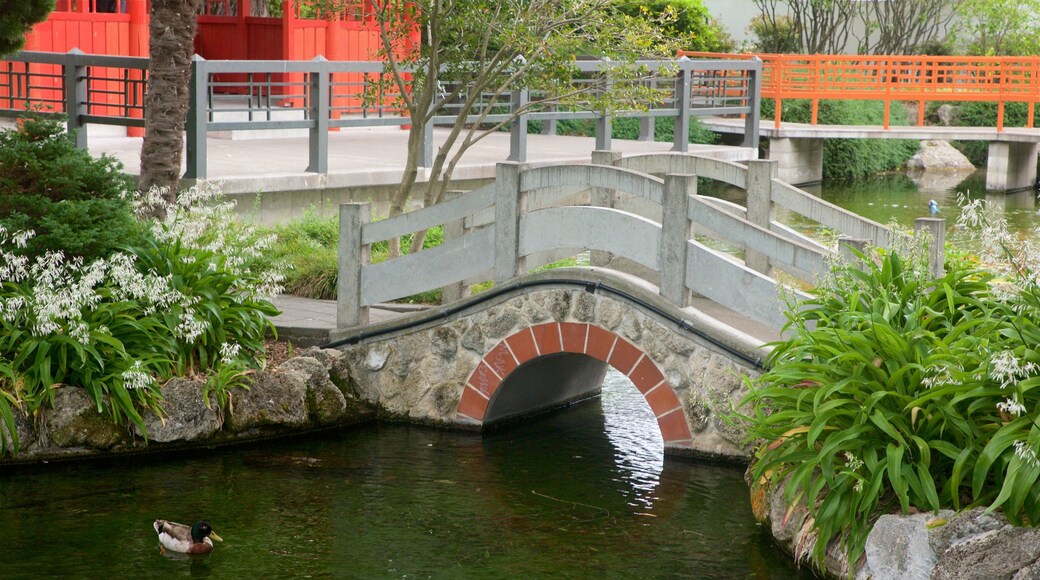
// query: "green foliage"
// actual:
[[898, 391], [628, 128], [16, 18], [308, 248], [1000, 27], [75, 203], [851, 158], [779, 37], [982, 114], [687, 21]]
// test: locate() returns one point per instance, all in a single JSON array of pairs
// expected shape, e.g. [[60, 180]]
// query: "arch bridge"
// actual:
[[661, 256]]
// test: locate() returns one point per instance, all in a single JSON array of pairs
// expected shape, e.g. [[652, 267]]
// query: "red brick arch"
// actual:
[[579, 338]]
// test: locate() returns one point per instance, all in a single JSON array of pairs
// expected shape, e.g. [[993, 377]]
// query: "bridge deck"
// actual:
[[807, 131], [310, 321]]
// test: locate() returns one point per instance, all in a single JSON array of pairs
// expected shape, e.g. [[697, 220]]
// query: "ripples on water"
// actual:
[[577, 494]]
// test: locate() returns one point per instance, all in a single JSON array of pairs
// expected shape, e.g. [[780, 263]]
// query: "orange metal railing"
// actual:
[[891, 79]]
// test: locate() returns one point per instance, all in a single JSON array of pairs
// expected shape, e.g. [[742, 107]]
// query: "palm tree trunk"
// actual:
[[171, 45]]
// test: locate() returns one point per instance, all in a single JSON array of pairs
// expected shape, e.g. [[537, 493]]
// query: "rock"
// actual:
[[275, 398], [339, 372], [939, 155], [75, 421], [186, 416], [321, 354], [898, 547], [988, 553], [947, 114], [473, 339], [23, 428], [325, 403]]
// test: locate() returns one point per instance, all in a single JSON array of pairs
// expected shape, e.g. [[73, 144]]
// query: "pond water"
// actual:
[[900, 199], [578, 494]]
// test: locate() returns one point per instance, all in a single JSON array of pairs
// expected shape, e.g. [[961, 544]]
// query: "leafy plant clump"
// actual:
[[628, 128], [851, 158], [308, 248], [190, 301], [74, 203], [898, 391]]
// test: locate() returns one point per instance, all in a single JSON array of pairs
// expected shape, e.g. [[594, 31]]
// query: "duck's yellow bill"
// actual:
[[216, 537]]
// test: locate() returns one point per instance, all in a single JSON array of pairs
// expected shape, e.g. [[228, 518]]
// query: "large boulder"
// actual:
[[75, 421], [187, 416], [325, 403], [274, 399], [939, 155]]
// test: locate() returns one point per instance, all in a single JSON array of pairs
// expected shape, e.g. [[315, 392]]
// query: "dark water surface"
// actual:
[[585, 493]]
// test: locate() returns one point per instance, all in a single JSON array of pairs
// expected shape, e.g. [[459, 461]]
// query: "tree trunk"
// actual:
[[171, 45]]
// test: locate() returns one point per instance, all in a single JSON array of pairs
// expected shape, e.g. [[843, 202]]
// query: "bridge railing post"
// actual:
[[681, 100], [198, 119], [603, 197], [454, 230], [518, 126], [353, 256], [760, 207], [934, 230], [848, 247], [754, 92], [76, 96], [318, 136], [675, 232], [509, 208], [605, 122]]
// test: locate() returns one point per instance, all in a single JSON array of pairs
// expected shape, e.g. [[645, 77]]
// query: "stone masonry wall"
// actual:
[[422, 375]]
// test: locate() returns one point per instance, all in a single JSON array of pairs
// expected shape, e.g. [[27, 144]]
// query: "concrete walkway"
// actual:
[[370, 157]]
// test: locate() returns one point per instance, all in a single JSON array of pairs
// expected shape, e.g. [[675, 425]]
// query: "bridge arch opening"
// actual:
[[550, 364]]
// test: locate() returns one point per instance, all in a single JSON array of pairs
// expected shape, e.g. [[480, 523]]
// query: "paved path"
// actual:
[[370, 157]]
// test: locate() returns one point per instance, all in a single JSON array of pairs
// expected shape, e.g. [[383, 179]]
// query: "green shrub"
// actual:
[[689, 21], [898, 391], [779, 36], [308, 249], [851, 158], [628, 128], [190, 300], [75, 203]]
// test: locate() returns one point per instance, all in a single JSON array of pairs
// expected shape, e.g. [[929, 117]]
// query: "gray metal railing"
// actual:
[[321, 95]]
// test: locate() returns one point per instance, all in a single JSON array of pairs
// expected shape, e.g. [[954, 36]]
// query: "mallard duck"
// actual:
[[186, 539]]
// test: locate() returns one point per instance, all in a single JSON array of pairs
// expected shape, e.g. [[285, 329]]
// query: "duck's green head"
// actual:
[[202, 529]]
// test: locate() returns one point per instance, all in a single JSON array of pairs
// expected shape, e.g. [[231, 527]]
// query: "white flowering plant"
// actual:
[[186, 302], [898, 391]]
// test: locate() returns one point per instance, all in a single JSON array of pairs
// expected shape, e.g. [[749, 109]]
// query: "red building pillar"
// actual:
[[138, 10]]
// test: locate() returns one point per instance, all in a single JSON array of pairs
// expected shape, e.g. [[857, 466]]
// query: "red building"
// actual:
[[227, 30]]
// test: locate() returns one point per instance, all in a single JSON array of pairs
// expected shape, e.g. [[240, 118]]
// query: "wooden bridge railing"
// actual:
[[888, 78], [532, 216]]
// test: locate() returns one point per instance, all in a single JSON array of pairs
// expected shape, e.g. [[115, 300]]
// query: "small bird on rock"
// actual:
[[933, 207], [193, 539]]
